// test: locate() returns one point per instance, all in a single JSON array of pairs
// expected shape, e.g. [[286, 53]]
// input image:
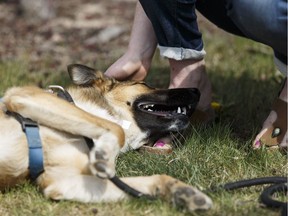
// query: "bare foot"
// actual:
[[268, 124], [192, 74]]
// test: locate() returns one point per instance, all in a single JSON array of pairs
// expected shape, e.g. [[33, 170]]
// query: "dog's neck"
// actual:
[[133, 135], [96, 110], [93, 109], [64, 94]]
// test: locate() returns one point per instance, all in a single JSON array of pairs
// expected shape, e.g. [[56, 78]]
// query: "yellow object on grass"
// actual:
[[216, 106]]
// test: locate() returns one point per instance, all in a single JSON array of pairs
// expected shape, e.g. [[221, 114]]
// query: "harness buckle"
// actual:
[[26, 122]]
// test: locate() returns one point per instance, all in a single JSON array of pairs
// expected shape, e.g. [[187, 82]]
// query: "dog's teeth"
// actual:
[[148, 106], [150, 110], [184, 111], [179, 110]]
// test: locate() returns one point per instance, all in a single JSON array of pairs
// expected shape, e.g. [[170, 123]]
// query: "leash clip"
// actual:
[[61, 92]]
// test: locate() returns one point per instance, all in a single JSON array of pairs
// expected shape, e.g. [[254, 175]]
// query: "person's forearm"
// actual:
[[143, 39]]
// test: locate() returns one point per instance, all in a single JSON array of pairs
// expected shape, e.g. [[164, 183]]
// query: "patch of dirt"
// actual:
[[83, 31]]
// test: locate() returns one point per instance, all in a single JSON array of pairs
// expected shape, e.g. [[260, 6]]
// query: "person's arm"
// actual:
[[135, 63]]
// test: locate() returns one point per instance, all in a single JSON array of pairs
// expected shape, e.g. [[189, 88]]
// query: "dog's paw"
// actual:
[[100, 165], [190, 198], [103, 156]]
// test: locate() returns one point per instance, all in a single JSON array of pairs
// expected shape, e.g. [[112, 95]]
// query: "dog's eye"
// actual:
[[128, 103]]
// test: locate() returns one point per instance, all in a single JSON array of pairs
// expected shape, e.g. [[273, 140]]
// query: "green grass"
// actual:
[[245, 84], [18, 73]]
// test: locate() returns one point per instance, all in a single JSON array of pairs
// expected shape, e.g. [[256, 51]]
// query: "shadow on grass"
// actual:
[[245, 101]]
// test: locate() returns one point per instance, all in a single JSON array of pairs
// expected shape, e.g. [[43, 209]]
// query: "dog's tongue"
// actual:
[[159, 144], [162, 146]]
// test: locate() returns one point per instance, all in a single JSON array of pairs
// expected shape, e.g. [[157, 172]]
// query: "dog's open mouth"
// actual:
[[165, 110], [163, 145]]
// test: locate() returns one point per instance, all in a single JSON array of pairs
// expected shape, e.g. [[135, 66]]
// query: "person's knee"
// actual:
[[263, 21]]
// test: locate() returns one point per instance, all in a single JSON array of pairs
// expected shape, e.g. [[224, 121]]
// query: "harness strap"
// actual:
[[31, 130], [36, 166]]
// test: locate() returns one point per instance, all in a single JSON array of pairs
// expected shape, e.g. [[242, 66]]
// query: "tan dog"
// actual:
[[72, 171]]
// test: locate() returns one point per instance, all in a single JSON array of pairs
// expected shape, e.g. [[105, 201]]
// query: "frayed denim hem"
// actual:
[[179, 53]]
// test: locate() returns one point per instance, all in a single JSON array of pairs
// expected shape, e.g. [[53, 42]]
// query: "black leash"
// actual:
[[278, 184], [254, 182], [129, 190], [267, 194]]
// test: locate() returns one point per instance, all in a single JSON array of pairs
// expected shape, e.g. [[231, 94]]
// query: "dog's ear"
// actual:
[[83, 75]]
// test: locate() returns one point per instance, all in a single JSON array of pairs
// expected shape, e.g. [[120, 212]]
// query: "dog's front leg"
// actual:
[[66, 184], [172, 190], [51, 111], [92, 189]]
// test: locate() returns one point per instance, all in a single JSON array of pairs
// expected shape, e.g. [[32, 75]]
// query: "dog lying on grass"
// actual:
[[117, 116]]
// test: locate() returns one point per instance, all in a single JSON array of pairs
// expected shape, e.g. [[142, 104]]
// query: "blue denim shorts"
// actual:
[[176, 28]]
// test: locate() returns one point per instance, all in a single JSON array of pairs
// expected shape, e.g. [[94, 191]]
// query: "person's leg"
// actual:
[[175, 26], [179, 40], [176, 38], [274, 130], [135, 63], [190, 73], [216, 12], [264, 21]]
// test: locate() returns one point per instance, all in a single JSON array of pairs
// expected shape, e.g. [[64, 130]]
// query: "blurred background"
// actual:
[[52, 34]]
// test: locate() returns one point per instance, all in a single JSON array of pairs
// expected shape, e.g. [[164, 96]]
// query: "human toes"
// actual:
[[274, 130]]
